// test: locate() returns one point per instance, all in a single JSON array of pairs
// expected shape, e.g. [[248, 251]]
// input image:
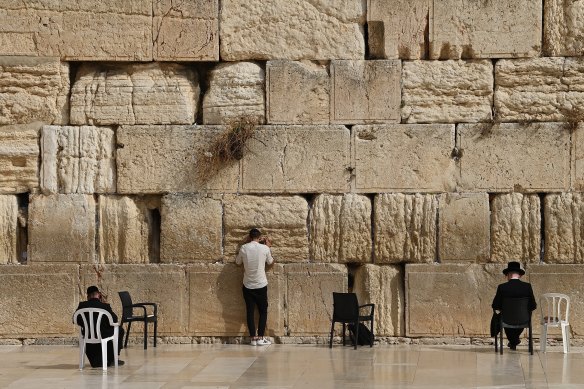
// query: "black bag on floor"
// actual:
[[365, 334]]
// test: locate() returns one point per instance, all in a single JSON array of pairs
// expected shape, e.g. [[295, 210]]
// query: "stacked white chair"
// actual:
[[92, 333], [555, 310]]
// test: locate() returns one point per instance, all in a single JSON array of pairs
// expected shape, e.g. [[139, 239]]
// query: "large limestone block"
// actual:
[[564, 228], [297, 93], [33, 89], [78, 30], [165, 285], [383, 286], [515, 227], [464, 233], [309, 296], [217, 307], [282, 219], [126, 229], [525, 157], [19, 158], [404, 157], [450, 300], [292, 29], [236, 91], [399, 30], [61, 228], [185, 31], [340, 228], [24, 313], [565, 279], [77, 159], [191, 228], [447, 91], [297, 159], [158, 159], [485, 29], [578, 158], [365, 91], [154, 93], [563, 28], [8, 232], [405, 227]]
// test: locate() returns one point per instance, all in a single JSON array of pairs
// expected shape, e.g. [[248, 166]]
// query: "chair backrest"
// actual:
[[554, 308], [127, 310], [515, 311], [91, 319], [345, 307]]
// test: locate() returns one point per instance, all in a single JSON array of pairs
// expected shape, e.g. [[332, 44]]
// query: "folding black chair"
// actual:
[[129, 317], [346, 310]]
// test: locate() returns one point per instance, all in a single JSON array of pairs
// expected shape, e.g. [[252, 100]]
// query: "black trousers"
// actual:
[[252, 298], [93, 350], [513, 335]]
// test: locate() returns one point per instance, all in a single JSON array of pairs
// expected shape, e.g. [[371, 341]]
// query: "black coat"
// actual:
[[514, 288]]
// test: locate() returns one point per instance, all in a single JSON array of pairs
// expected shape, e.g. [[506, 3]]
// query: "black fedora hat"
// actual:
[[514, 267]]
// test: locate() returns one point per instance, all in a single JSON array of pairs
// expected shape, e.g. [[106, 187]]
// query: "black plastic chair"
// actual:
[[515, 313], [346, 310], [129, 317]]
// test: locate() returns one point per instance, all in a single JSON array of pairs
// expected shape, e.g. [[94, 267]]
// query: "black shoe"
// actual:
[[120, 363]]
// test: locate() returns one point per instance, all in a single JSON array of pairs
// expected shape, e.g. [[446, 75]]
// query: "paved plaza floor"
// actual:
[[295, 366]]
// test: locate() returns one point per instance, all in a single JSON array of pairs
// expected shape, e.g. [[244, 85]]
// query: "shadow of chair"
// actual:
[[555, 309], [515, 313], [346, 310], [90, 332], [145, 317]]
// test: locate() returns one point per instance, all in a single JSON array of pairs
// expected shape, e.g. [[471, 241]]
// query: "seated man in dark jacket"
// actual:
[[513, 288], [93, 350]]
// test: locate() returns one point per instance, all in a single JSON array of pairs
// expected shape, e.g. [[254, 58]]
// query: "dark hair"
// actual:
[[254, 233]]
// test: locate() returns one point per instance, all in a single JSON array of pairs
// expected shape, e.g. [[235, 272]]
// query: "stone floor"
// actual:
[[295, 366]]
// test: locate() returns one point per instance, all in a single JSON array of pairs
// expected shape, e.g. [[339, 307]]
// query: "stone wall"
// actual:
[[405, 150]]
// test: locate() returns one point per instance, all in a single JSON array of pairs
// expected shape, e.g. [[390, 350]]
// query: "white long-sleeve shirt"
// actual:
[[254, 257]]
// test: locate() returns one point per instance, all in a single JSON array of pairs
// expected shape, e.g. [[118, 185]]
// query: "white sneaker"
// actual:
[[253, 342], [263, 342]]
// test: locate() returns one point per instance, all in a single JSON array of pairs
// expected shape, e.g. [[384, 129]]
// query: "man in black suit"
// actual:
[[93, 350], [513, 288]]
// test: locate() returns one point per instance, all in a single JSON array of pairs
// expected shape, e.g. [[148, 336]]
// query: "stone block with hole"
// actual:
[[19, 158]]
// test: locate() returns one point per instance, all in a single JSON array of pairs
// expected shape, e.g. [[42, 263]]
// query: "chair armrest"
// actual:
[[154, 305], [371, 306]]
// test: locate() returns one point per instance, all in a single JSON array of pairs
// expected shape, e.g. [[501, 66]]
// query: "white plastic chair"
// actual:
[[91, 333], [555, 308]]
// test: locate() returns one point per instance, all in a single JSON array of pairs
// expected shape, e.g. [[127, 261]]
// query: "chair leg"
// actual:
[[81, 353], [496, 344], [530, 340], [543, 338], [501, 341], [104, 355], [344, 329], [155, 331], [372, 339], [145, 335], [565, 338], [127, 334], [332, 330], [356, 337]]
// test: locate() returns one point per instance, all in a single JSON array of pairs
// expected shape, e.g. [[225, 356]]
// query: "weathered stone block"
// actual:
[[292, 29], [563, 28], [340, 228], [297, 159], [185, 31], [165, 285], [405, 227], [485, 29], [19, 158], [125, 229], [540, 89], [399, 30], [154, 93], [33, 90], [191, 228], [447, 91], [404, 157], [77, 159], [578, 158], [283, 219], [450, 300], [527, 157], [297, 93], [310, 296], [464, 220], [61, 228], [158, 159], [236, 90], [24, 314], [217, 307], [78, 30], [515, 227], [8, 233], [383, 286], [564, 228], [365, 91], [565, 279]]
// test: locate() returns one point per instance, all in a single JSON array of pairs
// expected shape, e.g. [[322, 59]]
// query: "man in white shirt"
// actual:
[[254, 256]]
